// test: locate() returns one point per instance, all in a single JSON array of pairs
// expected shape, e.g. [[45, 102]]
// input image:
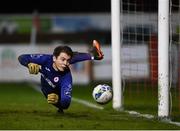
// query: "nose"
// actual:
[[66, 63]]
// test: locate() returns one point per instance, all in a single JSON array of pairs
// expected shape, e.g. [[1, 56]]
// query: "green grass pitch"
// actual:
[[23, 108]]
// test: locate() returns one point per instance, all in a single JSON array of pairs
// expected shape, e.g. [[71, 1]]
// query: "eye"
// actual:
[[62, 58], [68, 60]]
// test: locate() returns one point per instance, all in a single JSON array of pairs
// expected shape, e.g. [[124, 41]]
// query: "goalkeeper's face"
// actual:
[[61, 62]]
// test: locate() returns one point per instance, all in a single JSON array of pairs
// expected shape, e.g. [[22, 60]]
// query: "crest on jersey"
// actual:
[[56, 79]]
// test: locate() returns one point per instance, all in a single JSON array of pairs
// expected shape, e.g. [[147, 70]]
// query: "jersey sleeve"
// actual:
[[25, 59], [78, 57], [65, 90]]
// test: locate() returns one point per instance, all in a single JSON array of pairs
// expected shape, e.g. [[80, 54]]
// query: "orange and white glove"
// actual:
[[96, 51]]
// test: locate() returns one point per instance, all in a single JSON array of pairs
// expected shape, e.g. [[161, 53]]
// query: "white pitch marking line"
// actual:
[[148, 116], [174, 123], [86, 103]]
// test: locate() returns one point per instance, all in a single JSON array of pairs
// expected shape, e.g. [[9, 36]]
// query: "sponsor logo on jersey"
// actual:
[[48, 81], [47, 69], [36, 56], [68, 91]]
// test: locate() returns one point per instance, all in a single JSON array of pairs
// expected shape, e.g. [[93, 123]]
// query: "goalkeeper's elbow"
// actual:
[[21, 60]]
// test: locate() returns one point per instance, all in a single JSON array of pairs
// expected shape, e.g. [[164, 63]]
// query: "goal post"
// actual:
[[163, 58], [116, 46], [163, 54]]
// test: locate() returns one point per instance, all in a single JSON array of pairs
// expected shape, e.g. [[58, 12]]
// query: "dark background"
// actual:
[[73, 6]]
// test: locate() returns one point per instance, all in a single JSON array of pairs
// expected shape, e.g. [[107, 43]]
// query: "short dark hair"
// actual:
[[60, 49]]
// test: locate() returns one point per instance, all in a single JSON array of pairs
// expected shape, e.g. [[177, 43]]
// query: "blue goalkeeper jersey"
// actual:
[[53, 81], [46, 62]]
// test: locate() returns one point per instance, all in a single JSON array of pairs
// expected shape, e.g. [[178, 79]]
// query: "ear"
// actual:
[[54, 58]]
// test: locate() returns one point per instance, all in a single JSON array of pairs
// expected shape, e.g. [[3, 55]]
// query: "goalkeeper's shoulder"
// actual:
[[25, 59]]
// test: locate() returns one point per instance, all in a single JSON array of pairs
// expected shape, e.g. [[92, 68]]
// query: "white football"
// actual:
[[102, 93]]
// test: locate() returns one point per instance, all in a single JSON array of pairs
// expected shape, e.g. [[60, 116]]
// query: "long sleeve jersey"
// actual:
[[50, 78]]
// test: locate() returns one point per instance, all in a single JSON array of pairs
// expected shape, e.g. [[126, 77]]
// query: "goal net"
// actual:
[[139, 56], [174, 54]]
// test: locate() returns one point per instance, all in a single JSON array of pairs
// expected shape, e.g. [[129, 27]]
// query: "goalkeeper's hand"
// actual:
[[52, 98], [96, 51], [33, 68]]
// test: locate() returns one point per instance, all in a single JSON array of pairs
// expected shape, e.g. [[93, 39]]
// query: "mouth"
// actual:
[[63, 67]]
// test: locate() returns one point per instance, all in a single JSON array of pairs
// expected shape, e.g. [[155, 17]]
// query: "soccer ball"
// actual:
[[102, 93]]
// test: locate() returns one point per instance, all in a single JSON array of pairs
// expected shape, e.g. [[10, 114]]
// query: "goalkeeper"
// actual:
[[56, 78]]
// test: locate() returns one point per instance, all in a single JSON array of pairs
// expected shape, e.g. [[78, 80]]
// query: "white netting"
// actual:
[[138, 27], [174, 54], [139, 33]]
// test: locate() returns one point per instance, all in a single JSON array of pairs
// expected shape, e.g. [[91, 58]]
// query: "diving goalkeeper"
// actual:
[[56, 78]]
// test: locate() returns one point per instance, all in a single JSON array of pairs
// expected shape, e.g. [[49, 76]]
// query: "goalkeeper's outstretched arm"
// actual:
[[95, 54], [96, 51], [32, 62]]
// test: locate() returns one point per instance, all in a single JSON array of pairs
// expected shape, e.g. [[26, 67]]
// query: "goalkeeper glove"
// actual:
[[52, 98], [96, 51], [33, 68]]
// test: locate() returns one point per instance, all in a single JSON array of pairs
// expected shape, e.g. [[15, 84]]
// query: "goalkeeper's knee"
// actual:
[[52, 98]]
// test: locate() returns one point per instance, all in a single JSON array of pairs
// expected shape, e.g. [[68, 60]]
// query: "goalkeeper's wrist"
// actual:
[[92, 57]]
